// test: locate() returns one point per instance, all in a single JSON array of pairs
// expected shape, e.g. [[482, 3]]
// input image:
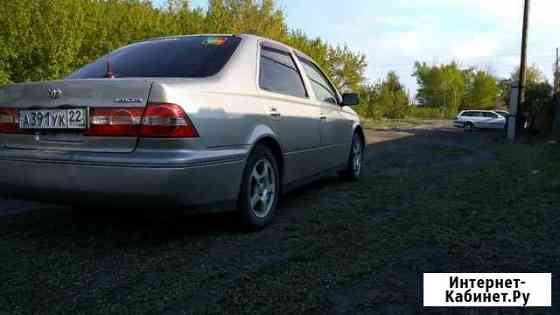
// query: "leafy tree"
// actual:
[[369, 94], [538, 90], [505, 92], [482, 90], [534, 75], [246, 16], [386, 99], [538, 105], [48, 39], [348, 68], [394, 97], [3, 78], [441, 86], [539, 98], [449, 88]]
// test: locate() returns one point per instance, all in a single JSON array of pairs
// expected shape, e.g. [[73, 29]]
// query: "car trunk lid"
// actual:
[[89, 94]]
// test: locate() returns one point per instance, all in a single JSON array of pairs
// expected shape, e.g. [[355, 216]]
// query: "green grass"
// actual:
[[405, 123], [449, 152], [357, 247], [428, 113]]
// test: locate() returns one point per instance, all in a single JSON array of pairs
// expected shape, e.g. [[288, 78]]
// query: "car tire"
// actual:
[[260, 189], [469, 126], [355, 163]]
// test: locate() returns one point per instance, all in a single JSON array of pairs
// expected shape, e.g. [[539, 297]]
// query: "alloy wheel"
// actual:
[[357, 157], [262, 188]]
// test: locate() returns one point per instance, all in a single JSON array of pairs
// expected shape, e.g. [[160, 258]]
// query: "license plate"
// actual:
[[75, 118]]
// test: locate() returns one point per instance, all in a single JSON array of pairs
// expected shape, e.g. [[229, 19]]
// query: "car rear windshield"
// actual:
[[181, 57]]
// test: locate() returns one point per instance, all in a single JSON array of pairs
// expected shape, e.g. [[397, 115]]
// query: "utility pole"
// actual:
[[518, 93], [556, 79], [556, 92]]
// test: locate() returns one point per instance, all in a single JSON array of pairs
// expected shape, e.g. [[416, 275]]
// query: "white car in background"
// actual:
[[482, 119], [503, 113]]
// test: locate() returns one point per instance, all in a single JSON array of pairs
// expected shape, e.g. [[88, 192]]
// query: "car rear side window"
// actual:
[[279, 73], [180, 57], [321, 86], [472, 114]]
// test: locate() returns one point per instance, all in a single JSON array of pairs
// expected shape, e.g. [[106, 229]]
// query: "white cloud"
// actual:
[[503, 9], [543, 12], [475, 46], [480, 33]]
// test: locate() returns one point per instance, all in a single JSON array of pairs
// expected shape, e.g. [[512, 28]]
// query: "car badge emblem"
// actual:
[[55, 93], [124, 100]]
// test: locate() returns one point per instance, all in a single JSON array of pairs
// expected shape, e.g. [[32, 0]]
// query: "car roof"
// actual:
[[183, 36], [260, 38]]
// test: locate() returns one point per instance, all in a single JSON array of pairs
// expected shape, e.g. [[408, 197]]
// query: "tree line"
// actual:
[[446, 89], [49, 39]]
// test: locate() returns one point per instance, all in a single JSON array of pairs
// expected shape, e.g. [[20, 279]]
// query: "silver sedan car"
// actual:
[[206, 122]]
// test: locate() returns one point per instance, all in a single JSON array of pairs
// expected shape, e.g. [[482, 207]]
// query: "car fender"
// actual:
[[355, 126], [261, 132], [358, 125]]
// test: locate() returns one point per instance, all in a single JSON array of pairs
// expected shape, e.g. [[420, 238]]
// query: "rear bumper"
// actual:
[[182, 179]]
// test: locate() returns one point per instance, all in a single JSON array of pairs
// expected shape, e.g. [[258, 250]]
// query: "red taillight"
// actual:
[[166, 121], [115, 122], [156, 121], [8, 120]]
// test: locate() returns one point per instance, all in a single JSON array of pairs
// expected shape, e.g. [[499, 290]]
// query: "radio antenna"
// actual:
[[109, 69]]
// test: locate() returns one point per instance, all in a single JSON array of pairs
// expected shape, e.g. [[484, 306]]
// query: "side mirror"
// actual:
[[350, 99]]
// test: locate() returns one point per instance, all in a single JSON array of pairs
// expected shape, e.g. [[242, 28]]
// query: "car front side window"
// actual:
[[319, 83]]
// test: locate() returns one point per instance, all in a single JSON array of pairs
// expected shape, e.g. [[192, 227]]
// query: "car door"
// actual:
[[292, 114], [464, 117], [478, 119], [336, 130], [495, 121], [485, 120]]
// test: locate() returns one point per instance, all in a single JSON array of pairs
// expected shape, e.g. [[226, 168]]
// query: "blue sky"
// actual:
[[393, 34]]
